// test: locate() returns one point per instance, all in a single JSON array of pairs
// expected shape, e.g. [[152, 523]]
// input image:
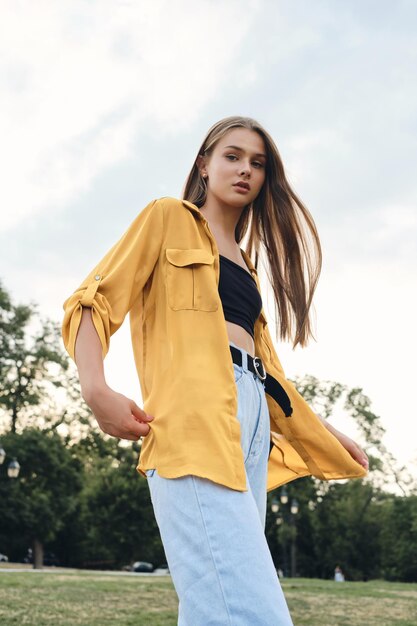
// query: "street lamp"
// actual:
[[294, 511], [13, 468], [286, 516]]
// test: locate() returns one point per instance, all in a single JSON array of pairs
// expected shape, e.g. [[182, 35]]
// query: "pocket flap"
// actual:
[[180, 258]]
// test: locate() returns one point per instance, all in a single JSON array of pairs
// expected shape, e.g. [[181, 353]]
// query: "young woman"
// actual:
[[221, 424]]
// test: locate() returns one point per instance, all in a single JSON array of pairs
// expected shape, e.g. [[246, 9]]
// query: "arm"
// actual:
[[351, 446], [97, 309], [88, 357], [112, 287], [116, 415]]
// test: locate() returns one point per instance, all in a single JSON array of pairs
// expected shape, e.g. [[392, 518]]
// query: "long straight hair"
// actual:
[[279, 226]]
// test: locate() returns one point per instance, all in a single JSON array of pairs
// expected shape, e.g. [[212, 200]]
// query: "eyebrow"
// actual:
[[258, 154]]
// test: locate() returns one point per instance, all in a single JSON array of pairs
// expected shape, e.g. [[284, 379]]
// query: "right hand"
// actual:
[[118, 415]]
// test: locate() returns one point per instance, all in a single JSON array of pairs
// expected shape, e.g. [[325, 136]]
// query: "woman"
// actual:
[[221, 424]]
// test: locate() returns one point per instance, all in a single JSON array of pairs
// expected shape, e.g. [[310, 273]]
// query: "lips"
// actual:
[[242, 184]]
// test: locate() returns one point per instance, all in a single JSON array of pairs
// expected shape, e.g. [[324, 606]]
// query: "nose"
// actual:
[[244, 169]]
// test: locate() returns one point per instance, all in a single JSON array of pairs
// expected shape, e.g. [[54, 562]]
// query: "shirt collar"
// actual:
[[197, 211], [249, 261], [192, 207]]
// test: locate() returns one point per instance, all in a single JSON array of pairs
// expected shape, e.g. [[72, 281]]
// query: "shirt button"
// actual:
[[97, 277]]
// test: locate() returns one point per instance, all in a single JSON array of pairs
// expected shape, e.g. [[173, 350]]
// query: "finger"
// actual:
[[132, 434], [129, 437], [137, 430], [363, 457], [128, 428], [139, 414], [357, 454]]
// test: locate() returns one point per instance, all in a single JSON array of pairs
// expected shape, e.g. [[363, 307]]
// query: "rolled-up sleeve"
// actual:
[[112, 287]]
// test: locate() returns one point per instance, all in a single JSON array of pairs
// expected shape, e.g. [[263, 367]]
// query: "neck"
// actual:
[[221, 217]]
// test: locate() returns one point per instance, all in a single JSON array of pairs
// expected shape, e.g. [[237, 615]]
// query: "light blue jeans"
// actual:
[[214, 537]]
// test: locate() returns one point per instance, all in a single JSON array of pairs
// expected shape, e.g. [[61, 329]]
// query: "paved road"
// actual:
[[69, 570]]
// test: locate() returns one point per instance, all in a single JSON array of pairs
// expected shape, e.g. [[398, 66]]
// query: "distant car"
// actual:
[[49, 558], [3, 558], [142, 566]]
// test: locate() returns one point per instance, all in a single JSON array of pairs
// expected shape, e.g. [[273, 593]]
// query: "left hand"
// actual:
[[354, 449], [351, 446]]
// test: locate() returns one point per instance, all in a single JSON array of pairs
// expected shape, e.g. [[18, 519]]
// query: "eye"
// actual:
[[231, 157], [258, 164]]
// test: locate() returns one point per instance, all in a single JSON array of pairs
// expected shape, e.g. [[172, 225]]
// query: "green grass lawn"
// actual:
[[75, 597]]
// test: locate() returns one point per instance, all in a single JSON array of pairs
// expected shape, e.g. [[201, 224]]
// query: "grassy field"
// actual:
[[73, 597]]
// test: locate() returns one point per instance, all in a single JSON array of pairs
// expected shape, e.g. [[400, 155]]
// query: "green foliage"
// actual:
[[38, 385], [328, 398], [345, 531], [398, 535], [116, 524], [24, 362], [79, 491], [355, 524], [368, 532], [38, 503]]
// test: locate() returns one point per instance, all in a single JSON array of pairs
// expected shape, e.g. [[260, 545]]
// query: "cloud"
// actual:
[[396, 232], [97, 97], [81, 81]]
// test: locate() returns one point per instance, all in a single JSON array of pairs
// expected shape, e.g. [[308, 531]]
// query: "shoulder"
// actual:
[[171, 203], [177, 208], [159, 206], [167, 212]]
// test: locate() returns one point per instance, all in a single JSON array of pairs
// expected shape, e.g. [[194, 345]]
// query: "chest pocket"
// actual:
[[191, 281]]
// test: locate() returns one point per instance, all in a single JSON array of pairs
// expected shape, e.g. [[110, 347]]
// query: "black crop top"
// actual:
[[239, 294]]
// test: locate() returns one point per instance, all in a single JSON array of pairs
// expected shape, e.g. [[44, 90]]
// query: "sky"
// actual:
[[103, 106]]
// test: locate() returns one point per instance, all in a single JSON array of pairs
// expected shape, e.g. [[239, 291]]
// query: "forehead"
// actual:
[[248, 140]]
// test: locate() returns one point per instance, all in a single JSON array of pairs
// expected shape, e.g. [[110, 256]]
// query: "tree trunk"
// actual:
[[37, 554]]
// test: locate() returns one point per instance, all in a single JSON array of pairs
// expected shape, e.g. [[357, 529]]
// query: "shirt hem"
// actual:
[[165, 472]]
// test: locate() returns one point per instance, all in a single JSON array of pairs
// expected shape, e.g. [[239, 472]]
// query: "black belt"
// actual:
[[272, 387]]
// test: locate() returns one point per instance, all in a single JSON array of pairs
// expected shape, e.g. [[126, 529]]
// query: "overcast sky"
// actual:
[[104, 104]]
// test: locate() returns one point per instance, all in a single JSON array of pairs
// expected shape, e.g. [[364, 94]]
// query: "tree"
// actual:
[[341, 522], [37, 386], [36, 506], [328, 397], [346, 531], [398, 522], [116, 524]]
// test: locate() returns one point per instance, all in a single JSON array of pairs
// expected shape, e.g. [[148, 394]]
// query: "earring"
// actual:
[[203, 183]]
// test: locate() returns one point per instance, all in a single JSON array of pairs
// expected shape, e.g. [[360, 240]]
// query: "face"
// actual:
[[235, 169]]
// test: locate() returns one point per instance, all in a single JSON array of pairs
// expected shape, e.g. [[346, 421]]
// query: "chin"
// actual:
[[237, 203], [233, 200]]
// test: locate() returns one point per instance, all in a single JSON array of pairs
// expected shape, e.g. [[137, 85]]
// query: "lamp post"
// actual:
[[294, 511], [289, 530], [13, 468]]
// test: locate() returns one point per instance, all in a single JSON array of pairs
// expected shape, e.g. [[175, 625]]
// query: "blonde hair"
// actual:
[[279, 225]]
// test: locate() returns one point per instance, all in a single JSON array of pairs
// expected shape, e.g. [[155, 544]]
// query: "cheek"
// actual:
[[260, 179], [222, 170]]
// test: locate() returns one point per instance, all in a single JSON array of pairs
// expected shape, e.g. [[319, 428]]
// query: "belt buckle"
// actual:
[[256, 362]]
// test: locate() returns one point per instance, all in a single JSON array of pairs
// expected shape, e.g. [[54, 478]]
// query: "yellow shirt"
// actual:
[[164, 271]]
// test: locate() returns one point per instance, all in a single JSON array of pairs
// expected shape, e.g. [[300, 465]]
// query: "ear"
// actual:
[[201, 164]]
